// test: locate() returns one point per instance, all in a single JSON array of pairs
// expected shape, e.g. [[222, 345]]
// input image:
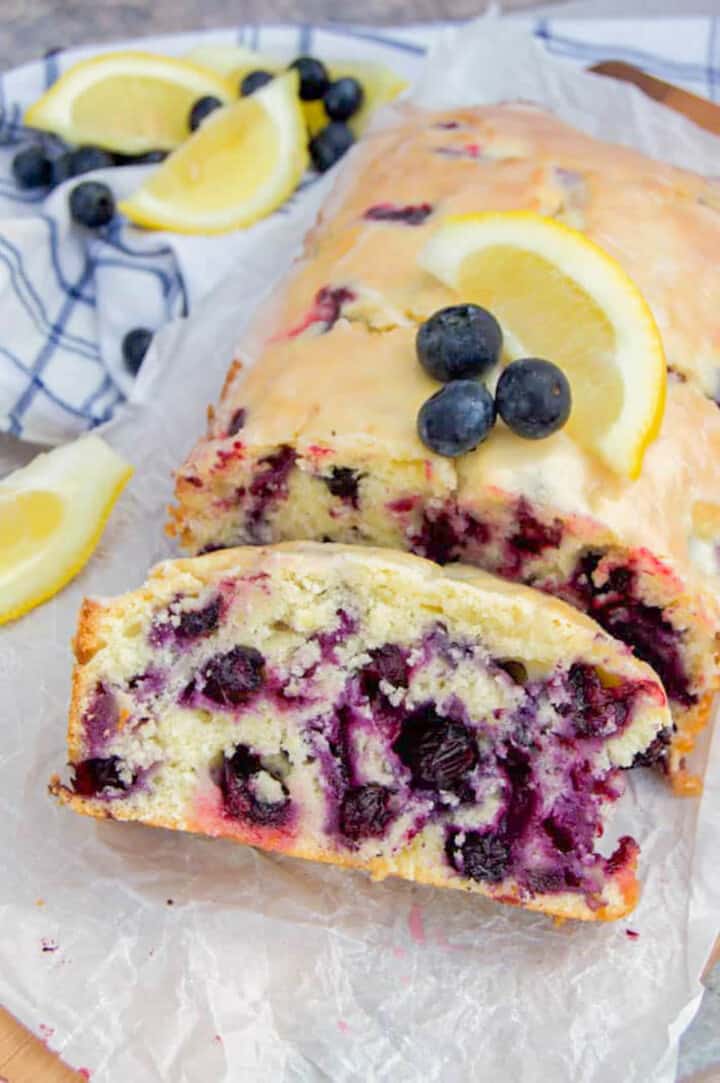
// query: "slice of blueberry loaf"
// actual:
[[319, 438], [369, 709]]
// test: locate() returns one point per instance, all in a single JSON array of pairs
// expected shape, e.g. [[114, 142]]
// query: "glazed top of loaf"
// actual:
[[357, 387]]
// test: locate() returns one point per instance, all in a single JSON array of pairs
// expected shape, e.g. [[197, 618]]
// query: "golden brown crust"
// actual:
[[623, 887]]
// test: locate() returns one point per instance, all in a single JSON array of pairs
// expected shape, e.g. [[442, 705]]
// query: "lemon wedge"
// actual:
[[130, 102], [242, 163], [561, 297], [380, 84], [52, 513]]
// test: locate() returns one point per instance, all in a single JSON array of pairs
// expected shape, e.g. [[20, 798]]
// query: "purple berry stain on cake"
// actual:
[[237, 421], [611, 599], [344, 483], [227, 680], [411, 214], [252, 792], [268, 488], [325, 311], [388, 666], [101, 717]]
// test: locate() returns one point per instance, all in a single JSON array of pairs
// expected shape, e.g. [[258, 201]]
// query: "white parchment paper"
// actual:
[[147, 956]]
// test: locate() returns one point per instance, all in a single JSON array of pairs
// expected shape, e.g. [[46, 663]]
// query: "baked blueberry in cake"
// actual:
[[370, 709], [329, 389]]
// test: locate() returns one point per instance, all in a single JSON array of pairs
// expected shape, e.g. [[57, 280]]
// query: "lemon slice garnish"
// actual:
[[52, 513], [130, 102], [560, 297], [242, 163]]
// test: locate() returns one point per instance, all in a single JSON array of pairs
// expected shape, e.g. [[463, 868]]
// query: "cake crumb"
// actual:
[[48, 945], [631, 934]]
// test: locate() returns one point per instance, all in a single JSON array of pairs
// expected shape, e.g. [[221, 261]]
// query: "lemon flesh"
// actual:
[[130, 102], [241, 164], [560, 297], [52, 513]]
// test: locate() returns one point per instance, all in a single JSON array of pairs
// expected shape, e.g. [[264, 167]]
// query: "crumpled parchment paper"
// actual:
[[148, 956]]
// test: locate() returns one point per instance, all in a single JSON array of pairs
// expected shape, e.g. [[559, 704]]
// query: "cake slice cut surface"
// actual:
[[367, 709]]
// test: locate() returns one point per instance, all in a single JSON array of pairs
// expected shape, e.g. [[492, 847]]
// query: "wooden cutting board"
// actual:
[[24, 1058]]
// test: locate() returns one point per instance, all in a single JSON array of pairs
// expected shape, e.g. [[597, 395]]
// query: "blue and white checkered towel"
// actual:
[[68, 296]]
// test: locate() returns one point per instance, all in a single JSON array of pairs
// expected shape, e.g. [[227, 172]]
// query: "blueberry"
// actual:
[[329, 145], [314, 79], [456, 418], [230, 678], [438, 751], [202, 108], [92, 204], [485, 857], [533, 398], [31, 168], [85, 159], [458, 343], [344, 483], [95, 775], [199, 622], [134, 347], [61, 168], [242, 800], [253, 81], [343, 98], [364, 811]]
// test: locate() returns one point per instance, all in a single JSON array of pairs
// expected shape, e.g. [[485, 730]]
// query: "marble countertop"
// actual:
[[30, 27]]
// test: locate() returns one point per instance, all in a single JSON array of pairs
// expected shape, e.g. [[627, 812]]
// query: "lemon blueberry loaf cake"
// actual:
[[320, 438], [369, 709]]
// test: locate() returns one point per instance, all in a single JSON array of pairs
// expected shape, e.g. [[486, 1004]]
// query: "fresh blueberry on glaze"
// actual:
[[364, 811], [237, 421], [329, 145], [344, 483], [343, 98], [485, 857], [314, 78], [96, 775], [135, 345], [254, 80], [533, 398], [92, 204], [410, 214], [31, 168], [229, 679], [202, 109], [459, 343], [457, 418], [240, 787], [438, 751]]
